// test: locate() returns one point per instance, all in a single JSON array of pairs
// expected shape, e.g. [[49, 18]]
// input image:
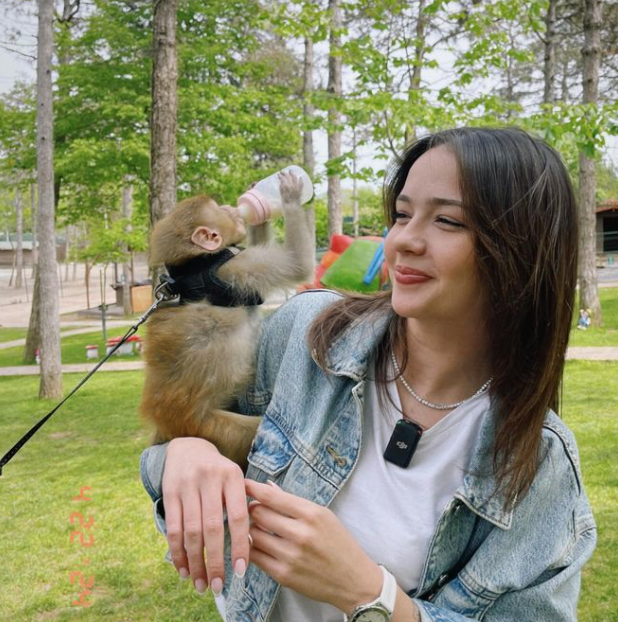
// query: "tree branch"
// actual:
[[14, 51]]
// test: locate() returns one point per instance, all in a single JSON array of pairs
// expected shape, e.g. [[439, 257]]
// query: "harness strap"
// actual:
[[197, 280]]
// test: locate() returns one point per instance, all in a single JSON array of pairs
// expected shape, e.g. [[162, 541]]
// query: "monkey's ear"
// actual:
[[208, 239]]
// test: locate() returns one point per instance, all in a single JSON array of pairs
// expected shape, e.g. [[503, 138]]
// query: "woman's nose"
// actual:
[[411, 240]]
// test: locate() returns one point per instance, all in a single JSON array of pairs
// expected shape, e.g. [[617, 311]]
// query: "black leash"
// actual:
[[163, 293]]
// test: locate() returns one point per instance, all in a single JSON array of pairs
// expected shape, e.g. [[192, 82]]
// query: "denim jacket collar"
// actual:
[[349, 356], [350, 353]]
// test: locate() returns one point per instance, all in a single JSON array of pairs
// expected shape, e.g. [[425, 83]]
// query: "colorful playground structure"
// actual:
[[352, 264]]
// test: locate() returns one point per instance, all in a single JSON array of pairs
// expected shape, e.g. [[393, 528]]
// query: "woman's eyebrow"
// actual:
[[437, 201]]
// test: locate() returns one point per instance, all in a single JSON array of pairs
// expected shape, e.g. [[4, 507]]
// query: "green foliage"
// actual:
[[607, 182], [240, 100], [108, 243], [321, 223], [370, 212], [239, 110], [17, 131]]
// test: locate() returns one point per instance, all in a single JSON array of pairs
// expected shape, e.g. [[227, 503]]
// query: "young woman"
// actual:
[[416, 467]]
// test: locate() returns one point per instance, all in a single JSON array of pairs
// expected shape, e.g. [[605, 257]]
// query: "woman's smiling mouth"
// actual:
[[410, 276]]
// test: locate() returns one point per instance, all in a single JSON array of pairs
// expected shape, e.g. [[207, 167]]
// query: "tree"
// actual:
[[127, 275], [51, 370], [19, 255], [335, 217], [587, 277], [164, 110], [549, 59], [308, 112]]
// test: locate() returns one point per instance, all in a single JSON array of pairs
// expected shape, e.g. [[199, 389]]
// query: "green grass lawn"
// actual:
[[591, 411], [96, 440], [606, 335], [9, 334], [73, 348]]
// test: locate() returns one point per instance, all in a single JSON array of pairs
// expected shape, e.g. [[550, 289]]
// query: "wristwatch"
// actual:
[[380, 609]]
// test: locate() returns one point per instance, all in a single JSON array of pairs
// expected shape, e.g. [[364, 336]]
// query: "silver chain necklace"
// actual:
[[425, 402]]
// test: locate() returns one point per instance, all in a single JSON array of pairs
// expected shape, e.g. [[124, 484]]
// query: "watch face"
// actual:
[[373, 614]]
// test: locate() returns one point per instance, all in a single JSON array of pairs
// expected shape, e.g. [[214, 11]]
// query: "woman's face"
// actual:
[[429, 250]]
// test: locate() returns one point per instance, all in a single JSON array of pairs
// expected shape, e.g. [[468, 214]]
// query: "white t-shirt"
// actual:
[[392, 512]]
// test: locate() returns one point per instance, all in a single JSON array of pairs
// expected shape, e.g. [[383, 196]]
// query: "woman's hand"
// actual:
[[305, 547], [198, 483]]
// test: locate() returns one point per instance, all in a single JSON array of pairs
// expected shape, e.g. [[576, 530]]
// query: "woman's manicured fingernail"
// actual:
[[271, 483], [184, 573], [216, 585], [240, 567], [250, 540], [200, 586]]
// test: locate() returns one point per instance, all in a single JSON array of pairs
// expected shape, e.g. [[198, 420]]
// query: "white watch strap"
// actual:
[[388, 595]]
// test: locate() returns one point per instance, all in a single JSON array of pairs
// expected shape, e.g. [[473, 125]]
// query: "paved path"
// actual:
[[82, 368], [590, 353], [578, 353]]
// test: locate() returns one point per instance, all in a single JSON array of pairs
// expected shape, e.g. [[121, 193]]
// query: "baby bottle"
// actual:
[[263, 201]]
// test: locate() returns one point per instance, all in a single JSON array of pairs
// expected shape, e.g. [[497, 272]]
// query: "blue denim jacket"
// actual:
[[484, 562]]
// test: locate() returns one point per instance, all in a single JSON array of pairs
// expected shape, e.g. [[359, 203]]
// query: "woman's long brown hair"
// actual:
[[519, 204]]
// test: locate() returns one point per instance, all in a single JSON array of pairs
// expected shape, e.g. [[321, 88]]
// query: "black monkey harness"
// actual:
[[195, 280]]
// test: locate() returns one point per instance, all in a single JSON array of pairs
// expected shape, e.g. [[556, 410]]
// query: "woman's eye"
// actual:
[[448, 221], [400, 215]]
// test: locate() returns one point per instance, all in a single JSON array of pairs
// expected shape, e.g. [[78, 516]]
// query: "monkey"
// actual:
[[199, 355]]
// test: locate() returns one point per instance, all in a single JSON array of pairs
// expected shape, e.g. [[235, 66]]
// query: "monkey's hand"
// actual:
[[290, 187]]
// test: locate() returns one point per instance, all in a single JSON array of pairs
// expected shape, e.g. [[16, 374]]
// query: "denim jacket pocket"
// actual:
[[271, 452]]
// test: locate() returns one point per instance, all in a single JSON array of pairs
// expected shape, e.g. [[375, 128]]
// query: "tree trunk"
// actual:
[[33, 216], [87, 268], [354, 185], [164, 107], [33, 336], [564, 85], [127, 208], [549, 60], [308, 153], [19, 250], [67, 251], [51, 370], [335, 218], [591, 54], [419, 53]]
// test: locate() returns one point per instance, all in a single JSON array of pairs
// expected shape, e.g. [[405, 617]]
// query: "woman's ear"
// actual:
[[208, 239]]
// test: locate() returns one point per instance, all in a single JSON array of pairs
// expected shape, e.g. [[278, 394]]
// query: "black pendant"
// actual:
[[402, 445]]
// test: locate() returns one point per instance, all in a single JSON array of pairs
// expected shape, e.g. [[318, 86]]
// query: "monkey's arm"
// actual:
[[264, 268]]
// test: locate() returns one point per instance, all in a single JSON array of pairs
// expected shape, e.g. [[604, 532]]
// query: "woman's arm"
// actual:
[[306, 548], [191, 479]]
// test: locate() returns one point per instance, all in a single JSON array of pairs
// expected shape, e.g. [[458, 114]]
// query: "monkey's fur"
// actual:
[[198, 356]]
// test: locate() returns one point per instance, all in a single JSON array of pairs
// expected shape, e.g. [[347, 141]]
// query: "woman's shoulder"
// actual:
[[301, 309], [560, 447]]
